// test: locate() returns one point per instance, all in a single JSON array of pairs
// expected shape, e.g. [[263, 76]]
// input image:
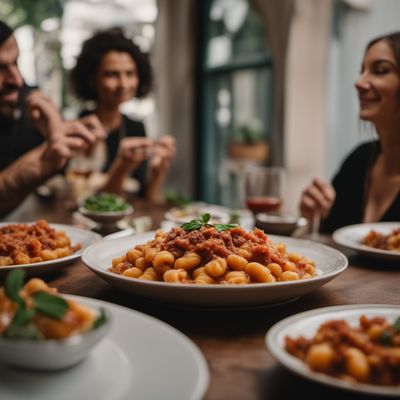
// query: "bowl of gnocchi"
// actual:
[[214, 265]]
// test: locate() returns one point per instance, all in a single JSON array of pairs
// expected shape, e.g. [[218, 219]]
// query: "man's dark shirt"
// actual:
[[17, 136]]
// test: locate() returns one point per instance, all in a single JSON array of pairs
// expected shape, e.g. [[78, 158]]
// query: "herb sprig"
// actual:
[[21, 326], [387, 335], [204, 219], [55, 307]]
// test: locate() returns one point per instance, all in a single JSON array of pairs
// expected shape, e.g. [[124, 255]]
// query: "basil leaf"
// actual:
[[205, 217], [22, 332], [23, 315], [14, 283], [224, 227], [100, 320], [192, 225], [50, 305]]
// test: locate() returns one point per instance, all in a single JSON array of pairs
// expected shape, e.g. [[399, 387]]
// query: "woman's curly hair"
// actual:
[[90, 57]]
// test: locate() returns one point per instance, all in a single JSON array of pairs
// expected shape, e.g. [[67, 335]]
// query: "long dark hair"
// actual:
[[393, 39]]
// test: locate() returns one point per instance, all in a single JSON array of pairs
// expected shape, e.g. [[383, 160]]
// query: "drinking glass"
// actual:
[[263, 188], [78, 172]]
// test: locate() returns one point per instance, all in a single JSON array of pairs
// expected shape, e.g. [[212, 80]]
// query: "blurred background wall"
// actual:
[[237, 82]]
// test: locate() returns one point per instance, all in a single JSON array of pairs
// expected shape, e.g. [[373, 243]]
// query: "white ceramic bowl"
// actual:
[[106, 217], [51, 354], [284, 224]]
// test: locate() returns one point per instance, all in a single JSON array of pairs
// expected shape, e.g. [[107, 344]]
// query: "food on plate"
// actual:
[[105, 202], [206, 253], [368, 353], [384, 242], [25, 244], [36, 311]]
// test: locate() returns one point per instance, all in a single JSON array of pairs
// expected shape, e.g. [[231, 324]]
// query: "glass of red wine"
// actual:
[[264, 189]]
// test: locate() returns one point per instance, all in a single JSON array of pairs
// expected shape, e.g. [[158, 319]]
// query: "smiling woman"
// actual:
[[111, 70], [367, 187]]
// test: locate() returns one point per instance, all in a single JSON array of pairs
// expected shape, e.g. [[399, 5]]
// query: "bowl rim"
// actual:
[[284, 219]]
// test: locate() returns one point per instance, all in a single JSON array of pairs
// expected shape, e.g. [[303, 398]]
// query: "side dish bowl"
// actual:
[[279, 224], [106, 217], [52, 354]]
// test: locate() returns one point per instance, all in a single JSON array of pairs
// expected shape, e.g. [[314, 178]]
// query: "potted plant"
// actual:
[[249, 143]]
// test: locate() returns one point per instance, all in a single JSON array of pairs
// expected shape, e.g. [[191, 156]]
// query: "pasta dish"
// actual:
[[36, 311], [369, 353], [208, 254], [25, 244], [383, 242]]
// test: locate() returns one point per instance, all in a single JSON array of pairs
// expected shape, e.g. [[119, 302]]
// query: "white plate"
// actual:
[[351, 237], [77, 235], [330, 262], [141, 358], [307, 324]]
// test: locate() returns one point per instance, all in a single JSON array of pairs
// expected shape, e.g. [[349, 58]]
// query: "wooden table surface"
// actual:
[[233, 341]]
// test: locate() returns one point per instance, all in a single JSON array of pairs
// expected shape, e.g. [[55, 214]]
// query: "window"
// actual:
[[235, 86]]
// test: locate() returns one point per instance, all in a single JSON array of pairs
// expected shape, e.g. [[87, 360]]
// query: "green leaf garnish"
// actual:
[[13, 284], [224, 227], [23, 315], [204, 219], [21, 326], [396, 325], [105, 202], [100, 320], [50, 305]]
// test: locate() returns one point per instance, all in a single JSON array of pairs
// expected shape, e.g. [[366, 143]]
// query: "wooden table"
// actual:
[[233, 341]]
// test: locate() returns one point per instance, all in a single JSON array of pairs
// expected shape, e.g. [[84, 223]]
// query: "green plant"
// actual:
[[29, 12], [247, 133]]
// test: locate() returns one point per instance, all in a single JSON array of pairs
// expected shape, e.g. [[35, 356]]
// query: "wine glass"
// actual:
[[264, 189], [79, 170]]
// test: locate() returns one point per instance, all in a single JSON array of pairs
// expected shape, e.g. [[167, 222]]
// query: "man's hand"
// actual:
[[43, 113]]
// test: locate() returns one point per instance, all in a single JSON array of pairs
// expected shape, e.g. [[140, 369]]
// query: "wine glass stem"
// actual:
[[315, 226]]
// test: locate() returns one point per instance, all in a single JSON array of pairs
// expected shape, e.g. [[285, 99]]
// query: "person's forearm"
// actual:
[[154, 187], [21, 178], [116, 176]]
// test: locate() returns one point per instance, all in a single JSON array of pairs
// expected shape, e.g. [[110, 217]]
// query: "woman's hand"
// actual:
[[132, 151], [317, 199], [163, 152]]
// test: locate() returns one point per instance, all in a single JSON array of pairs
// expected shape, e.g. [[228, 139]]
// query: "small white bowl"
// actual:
[[106, 217], [51, 354], [283, 224]]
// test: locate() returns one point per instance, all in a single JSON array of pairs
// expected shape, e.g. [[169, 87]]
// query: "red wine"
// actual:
[[263, 204]]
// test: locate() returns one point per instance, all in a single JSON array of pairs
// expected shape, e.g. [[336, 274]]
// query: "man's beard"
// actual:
[[8, 109]]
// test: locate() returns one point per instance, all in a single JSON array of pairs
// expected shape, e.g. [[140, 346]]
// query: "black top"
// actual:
[[17, 136], [350, 185], [128, 128]]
